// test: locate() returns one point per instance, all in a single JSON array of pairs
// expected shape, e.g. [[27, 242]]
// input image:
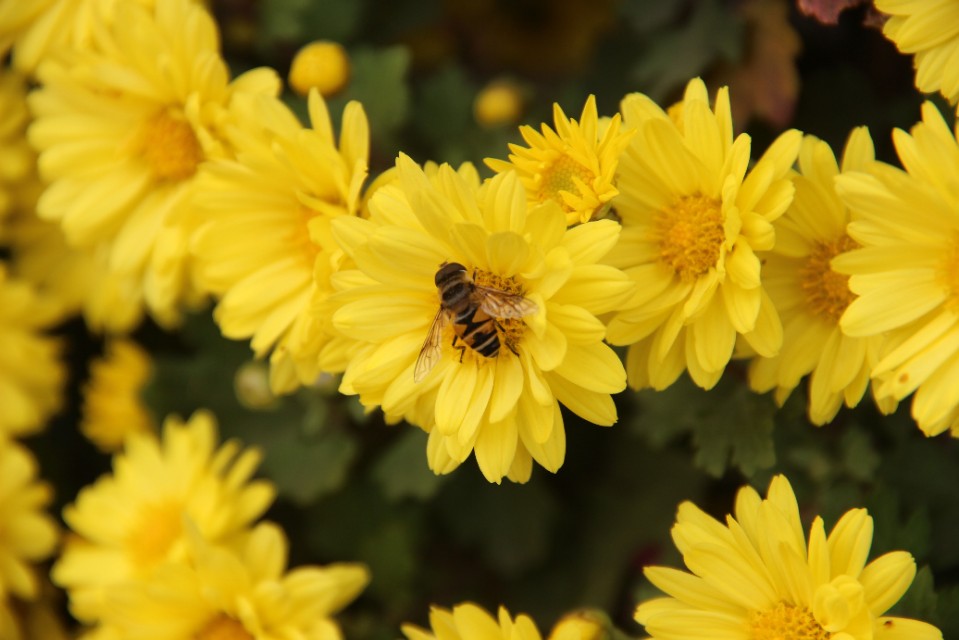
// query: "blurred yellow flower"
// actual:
[[320, 65], [809, 296], [112, 406], [27, 533], [241, 591], [573, 165], [907, 272], [31, 374], [77, 280], [17, 159], [133, 520], [262, 242], [500, 102], [122, 137], [38, 29], [528, 339], [755, 578], [693, 219], [929, 29], [468, 621]]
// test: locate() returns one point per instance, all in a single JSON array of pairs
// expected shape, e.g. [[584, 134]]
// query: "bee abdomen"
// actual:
[[480, 335]]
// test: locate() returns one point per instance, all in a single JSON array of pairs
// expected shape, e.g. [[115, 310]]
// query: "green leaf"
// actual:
[[509, 525], [303, 21], [674, 56], [729, 424], [305, 469], [402, 472], [444, 107], [379, 83], [947, 610], [920, 601]]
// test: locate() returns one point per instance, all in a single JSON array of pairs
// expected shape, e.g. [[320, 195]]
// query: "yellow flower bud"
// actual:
[[321, 64], [500, 102], [586, 624], [252, 386]]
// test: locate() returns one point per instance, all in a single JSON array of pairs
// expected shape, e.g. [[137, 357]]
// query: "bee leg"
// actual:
[[461, 348]]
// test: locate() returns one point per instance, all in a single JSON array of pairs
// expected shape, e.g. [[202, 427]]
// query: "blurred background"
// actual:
[[352, 488]]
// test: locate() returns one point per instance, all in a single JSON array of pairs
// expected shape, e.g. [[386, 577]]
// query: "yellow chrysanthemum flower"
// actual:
[[527, 340], [573, 166], [238, 592], [693, 219], [27, 534], [112, 406], [907, 272], [39, 28], [929, 29], [77, 280], [17, 159], [468, 621], [263, 243], [128, 523], [121, 138], [31, 374], [755, 578], [809, 296]]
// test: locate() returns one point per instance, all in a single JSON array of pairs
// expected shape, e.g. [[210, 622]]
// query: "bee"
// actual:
[[475, 312]]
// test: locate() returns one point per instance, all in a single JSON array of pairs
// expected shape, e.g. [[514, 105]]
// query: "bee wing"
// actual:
[[505, 305], [430, 353]]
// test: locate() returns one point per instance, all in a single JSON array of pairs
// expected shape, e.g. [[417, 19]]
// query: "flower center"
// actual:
[[948, 272], [786, 622], [690, 235], [158, 528], [558, 176], [827, 292], [169, 146], [223, 627], [509, 331]]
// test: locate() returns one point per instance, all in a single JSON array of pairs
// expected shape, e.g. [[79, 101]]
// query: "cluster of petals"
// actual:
[[906, 273], [121, 138], [694, 216], [261, 234], [809, 295], [756, 576], [929, 29], [504, 408], [167, 546]]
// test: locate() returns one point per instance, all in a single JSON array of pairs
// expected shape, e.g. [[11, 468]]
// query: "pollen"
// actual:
[[223, 627], [827, 292], [690, 236], [557, 176], [510, 330], [948, 275], [786, 622], [158, 527], [169, 146]]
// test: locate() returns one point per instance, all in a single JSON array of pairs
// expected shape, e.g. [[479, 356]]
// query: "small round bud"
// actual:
[[499, 103], [322, 64], [252, 386], [586, 624]]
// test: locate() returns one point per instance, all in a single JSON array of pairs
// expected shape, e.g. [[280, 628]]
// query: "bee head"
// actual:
[[447, 271]]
